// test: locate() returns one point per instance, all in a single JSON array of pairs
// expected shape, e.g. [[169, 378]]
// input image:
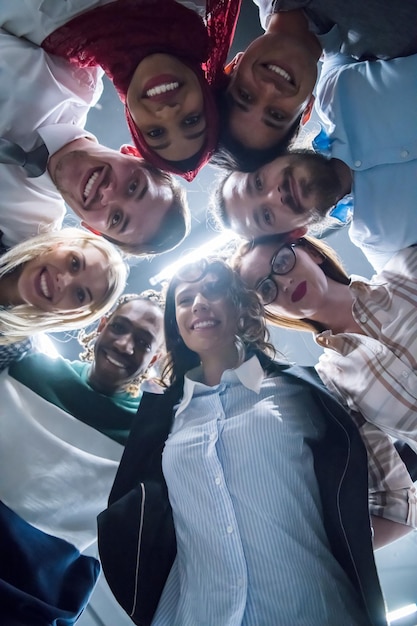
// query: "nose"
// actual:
[[284, 282], [167, 111], [107, 194], [272, 87], [274, 195], [200, 303], [63, 280], [125, 344]]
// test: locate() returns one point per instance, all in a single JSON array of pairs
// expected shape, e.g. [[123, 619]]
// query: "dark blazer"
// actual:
[[136, 533]]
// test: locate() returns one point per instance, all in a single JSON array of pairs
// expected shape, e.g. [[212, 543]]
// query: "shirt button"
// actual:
[[404, 154], [363, 319], [212, 437], [357, 163], [218, 480], [240, 582], [404, 374], [229, 529]]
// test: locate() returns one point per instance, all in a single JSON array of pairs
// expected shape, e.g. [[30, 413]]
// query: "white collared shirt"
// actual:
[[40, 96], [251, 543]]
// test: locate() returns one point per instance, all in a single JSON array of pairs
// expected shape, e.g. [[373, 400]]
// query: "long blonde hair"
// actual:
[[20, 321], [331, 265]]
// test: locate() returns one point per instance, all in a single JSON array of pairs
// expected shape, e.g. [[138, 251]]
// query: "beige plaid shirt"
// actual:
[[376, 373]]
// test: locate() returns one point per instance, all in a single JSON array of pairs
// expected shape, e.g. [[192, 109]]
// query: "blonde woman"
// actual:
[[57, 281]]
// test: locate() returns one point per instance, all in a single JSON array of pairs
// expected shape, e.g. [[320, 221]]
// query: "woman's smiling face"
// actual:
[[206, 316], [65, 278], [166, 103], [300, 292]]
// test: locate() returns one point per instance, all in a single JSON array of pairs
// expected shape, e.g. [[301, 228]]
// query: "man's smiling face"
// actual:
[[270, 87], [116, 194], [128, 342], [283, 195]]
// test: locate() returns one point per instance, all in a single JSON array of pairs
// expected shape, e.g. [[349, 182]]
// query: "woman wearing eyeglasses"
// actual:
[[258, 513], [366, 327]]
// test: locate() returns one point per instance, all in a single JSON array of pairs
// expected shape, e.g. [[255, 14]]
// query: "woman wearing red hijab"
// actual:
[[166, 64]]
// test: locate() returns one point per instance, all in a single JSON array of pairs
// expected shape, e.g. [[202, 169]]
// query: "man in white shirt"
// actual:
[[131, 203]]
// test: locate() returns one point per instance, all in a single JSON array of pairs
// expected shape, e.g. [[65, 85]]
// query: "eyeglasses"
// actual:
[[282, 263]]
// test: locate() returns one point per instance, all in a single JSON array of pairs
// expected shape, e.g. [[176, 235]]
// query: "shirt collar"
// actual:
[[250, 374], [56, 136]]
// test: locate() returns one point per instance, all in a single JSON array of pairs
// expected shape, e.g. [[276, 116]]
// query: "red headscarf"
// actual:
[[119, 35]]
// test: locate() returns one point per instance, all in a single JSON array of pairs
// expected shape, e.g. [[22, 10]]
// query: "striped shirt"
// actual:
[[375, 373], [251, 546]]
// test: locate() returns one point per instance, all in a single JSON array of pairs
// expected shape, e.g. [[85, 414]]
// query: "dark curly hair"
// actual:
[[252, 328]]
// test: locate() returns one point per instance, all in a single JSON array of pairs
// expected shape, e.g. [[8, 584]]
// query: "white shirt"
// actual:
[[39, 91], [251, 543], [40, 97]]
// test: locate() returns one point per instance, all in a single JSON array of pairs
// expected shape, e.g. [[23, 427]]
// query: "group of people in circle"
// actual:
[[249, 490]]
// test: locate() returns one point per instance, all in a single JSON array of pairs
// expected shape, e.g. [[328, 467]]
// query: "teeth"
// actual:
[[206, 324], [44, 287], [90, 183], [155, 91], [114, 362], [278, 70]]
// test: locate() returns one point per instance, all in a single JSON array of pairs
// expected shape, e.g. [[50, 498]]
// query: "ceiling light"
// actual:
[[210, 248], [404, 611], [44, 344]]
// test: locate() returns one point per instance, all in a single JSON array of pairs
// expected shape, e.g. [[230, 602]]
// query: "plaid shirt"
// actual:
[[376, 373], [14, 352]]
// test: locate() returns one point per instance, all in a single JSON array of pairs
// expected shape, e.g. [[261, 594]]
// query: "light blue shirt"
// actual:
[[369, 110], [251, 547]]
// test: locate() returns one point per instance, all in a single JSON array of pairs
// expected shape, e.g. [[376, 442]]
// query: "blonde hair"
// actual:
[[20, 321], [331, 265]]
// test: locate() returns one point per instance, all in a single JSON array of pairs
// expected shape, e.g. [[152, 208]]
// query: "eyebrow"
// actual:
[[121, 318], [197, 134], [277, 125], [83, 267], [167, 144]]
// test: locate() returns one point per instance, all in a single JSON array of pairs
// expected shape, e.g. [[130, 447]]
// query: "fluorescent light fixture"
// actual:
[[404, 611], [207, 249], [45, 344]]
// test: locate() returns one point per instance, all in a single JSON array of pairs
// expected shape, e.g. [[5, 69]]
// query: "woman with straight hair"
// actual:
[[367, 330]]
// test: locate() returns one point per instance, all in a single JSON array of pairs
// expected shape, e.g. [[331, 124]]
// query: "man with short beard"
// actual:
[[44, 104], [297, 190]]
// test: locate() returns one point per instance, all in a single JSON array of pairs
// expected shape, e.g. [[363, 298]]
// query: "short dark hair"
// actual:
[[217, 214], [232, 154]]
